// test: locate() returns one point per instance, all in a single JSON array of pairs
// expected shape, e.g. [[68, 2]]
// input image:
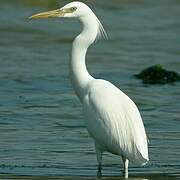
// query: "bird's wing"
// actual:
[[114, 121]]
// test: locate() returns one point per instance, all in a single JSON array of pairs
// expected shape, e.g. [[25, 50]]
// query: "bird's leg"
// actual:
[[99, 174], [125, 171], [99, 159]]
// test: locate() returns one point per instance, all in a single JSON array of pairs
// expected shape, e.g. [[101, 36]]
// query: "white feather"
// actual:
[[101, 31], [113, 120]]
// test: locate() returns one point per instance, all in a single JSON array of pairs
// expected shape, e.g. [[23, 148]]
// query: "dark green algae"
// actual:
[[158, 75]]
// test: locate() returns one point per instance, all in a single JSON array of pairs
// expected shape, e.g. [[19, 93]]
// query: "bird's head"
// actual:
[[76, 10], [71, 10]]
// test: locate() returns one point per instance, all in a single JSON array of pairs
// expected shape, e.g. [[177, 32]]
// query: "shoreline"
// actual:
[[160, 176]]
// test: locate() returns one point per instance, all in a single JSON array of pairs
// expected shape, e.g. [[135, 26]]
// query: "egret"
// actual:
[[111, 117]]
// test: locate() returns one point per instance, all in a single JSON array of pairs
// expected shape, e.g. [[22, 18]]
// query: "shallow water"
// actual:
[[41, 126]]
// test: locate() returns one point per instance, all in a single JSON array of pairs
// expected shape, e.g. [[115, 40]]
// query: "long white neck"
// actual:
[[78, 71]]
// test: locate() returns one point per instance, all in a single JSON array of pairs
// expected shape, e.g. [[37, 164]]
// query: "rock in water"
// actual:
[[158, 75]]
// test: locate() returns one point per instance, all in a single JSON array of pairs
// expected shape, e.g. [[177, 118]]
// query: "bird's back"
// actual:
[[114, 121]]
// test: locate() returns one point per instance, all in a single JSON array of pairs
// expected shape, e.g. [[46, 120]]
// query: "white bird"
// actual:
[[111, 117]]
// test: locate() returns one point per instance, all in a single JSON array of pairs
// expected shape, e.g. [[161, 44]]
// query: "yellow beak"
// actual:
[[48, 14]]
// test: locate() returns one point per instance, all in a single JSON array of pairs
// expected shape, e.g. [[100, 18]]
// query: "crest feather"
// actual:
[[101, 31]]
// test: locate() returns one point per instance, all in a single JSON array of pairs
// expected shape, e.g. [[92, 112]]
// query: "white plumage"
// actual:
[[111, 117], [113, 120]]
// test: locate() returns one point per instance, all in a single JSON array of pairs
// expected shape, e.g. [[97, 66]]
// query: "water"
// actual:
[[41, 127]]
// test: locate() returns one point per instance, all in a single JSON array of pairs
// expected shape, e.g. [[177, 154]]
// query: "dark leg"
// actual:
[[99, 174], [99, 159]]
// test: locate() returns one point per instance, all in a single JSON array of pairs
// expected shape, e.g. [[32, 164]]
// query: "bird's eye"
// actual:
[[73, 8]]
